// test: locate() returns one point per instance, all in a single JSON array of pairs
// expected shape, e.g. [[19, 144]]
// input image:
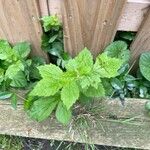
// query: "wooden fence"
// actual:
[[90, 23]]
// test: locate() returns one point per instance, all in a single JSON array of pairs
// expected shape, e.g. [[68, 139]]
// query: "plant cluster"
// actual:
[[59, 90], [52, 40], [16, 70], [58, 87]]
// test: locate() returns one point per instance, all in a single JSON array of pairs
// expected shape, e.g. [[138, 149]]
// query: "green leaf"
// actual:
[[29, 102], [51, 82], [14, 69], [106, 66], [5, 50], [93, 92], [70, 94], [14, 101], [1, 74], [129, 78], [92, 79], [127, 35], [62, 114], [117, 84], [118, 49], [82, 64], [5, 95], [34, 72], [50, 22], [19, 80], [145, 65], [108, 87], [46, 88], [50, 71], [22, 49], [53, 38], [42, 108]]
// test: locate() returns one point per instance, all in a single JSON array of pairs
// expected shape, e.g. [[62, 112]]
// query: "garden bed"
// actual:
[[122, 126]]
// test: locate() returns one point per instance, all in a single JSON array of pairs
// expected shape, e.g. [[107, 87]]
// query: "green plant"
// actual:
[[126, 84], [10, 143], [60, 89], [52, 40], [15, 69]]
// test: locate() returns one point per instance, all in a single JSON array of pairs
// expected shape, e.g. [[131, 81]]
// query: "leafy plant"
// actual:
[[125, 36], [60, 89], [15, 69], [126, 84], [52, 40]]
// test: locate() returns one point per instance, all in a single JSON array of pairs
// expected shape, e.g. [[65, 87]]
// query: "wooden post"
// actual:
[[19, 21], [142, 41], [91, 24]]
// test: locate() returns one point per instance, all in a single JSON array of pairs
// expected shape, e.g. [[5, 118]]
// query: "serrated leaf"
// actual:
[[22, 49], [62, 114], [145, 65], [5, 95], [70, 94], [42, 108], [106, 66], [14, 69], [93, 92], [46, 88], [82, 63], [50, 71], [92, 79], [19, 80], [50, 22], [5, 50], [118, 49]]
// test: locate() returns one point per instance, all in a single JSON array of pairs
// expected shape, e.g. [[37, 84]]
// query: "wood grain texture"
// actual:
[[20, 22], [44, 7], [128, 22], [142, 41], [109, 131], [90, 24]]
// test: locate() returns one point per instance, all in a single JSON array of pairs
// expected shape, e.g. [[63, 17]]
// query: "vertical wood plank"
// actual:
[[91, 24], [142, 41], [19, 21], [44, 8]]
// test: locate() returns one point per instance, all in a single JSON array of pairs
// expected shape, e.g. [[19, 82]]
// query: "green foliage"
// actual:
[[62, 114], [81, 77], [52, 40], [118, 49], [5, 95], [13, 64], [16, 71], [50, 22], [42, 108], [106, 66], [144, 65]]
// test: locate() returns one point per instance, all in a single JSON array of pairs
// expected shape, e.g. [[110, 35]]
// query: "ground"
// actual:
[[20, 143]]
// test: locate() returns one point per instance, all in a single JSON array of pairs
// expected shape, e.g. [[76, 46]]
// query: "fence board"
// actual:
[[128, 22], [91, 24], [111, 132], [142, 41], [19, 21]]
